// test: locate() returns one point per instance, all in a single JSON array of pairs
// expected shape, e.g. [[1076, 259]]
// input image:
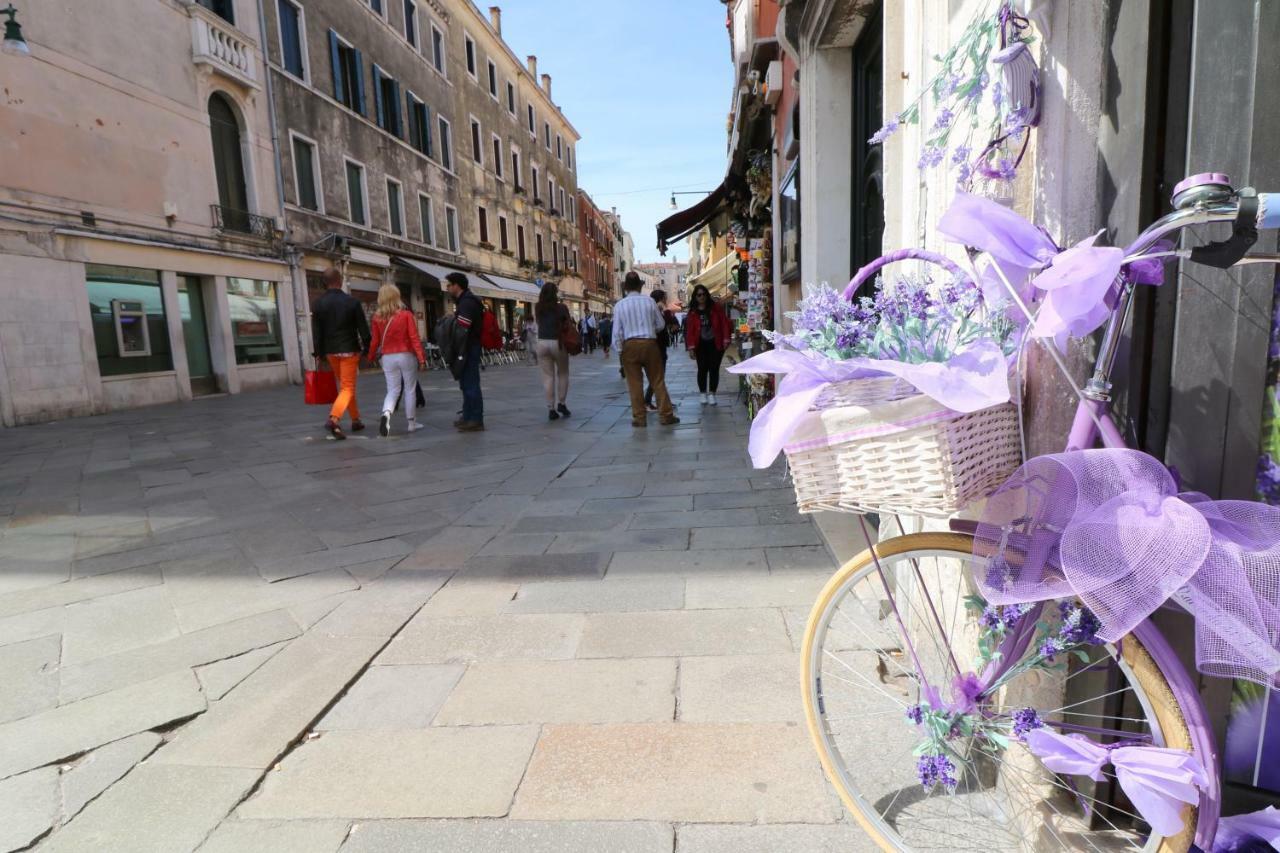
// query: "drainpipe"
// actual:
[[301, 306]]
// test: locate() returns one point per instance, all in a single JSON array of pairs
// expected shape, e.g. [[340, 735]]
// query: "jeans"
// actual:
[[469, 382], [554, 362], [708, 366], [345, 369], [401, 372]]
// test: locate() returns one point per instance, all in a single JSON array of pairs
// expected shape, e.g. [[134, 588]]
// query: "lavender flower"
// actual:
[[1024, 720], [1049, 648], [935, 770], [931, 157], [915, 714], [997, 94], [1002, 619], [943, 119], [948, 85], [890, 127], [1268, 479], [1079, 625]]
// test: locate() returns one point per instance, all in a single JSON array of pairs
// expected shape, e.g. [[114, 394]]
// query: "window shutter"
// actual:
[[358, 83], [394, 108], [413, 121], [379, 109], [426, 130], [335, 62]]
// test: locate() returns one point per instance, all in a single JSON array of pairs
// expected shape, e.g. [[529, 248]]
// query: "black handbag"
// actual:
[[422, 398]]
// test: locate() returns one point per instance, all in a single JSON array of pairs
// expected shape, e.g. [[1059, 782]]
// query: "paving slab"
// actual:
[[277, 836], [505, 836], [470, 596], [29, 675], [118, 623], [696, 487], [603, 541], [745, 498], [72, 729], [334, 558], [228, 594], [29, 804], [613, 506], [218, 678], [737, 562], [759, 773], [598, 691], [450, 548], [380, 609], [809, 838], [589, 564], [31, 626], [516, 544], [257, 721], [594, 596], [102, 768], [393, 697], [82, 589], [741, 689], [569, 523], [793, 589], [803, 558], [705, 518], [680, 633], [754, 536], [155, 809], [432, 639], [402, 774]]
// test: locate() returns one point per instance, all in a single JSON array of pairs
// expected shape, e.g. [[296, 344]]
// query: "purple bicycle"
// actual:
[[1000, 686]]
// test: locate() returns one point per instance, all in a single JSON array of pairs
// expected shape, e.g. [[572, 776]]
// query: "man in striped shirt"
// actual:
[[636, 322]]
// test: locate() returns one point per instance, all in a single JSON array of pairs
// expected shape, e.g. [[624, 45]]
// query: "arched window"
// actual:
[[228, 164]]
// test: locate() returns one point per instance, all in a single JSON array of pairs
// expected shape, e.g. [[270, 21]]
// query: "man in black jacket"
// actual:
[[469, 311], [340, 335]]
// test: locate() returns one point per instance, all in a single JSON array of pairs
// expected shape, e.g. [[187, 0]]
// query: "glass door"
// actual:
[[195, 330]]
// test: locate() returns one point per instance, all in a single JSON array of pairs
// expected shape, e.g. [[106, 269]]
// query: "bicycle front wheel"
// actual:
[[861, 679]]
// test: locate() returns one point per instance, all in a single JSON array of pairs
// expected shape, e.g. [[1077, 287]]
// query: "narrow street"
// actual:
[[221, 631]]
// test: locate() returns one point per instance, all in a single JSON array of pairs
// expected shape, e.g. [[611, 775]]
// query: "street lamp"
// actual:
[[14, 44], [674, 206]]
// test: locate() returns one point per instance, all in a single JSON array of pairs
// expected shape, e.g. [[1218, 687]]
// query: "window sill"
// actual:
[[125, 377]]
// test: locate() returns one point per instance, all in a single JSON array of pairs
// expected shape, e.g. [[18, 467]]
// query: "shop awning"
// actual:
[[680, 225], [524, 291], [714, 278], [479, 284]]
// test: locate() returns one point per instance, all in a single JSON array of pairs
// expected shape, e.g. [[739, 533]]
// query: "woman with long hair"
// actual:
[[706, 337], [551, 314], [397, 344]]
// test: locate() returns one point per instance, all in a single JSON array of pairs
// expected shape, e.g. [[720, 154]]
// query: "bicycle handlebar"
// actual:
[[1247, 209], [1269, 214]]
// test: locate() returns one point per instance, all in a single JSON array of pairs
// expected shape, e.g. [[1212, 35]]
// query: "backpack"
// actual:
[[490, 334]]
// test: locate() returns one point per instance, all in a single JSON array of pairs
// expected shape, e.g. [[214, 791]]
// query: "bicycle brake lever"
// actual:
[[1224, 254]]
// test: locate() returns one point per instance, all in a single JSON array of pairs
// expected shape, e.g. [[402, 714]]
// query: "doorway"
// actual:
[[867, 184], [195, 330]]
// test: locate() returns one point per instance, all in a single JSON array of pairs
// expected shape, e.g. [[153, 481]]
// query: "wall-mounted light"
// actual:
[[14, 44]]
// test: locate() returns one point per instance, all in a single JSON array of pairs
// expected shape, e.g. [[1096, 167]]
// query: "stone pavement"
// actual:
[[221, 631]]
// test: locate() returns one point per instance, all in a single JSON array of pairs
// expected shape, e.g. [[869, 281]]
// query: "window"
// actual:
[[255, 321], [559, 149], [437, 49], [555, 255], [563, 209], [348, 73], [357, 193], [502, 234], [516, 176], [575, 259], [446, 143], [538, 246], [306, 173], [551, 193], [376, 5], [533, 124], [477, 150], [427, 218], [395, 207], [534, 183], [493, 80], [520, 242], [568, 157], [411, 22], [228, 163], [511, 97], [482, 217], [546, 133], [386, 101], [224, 9], [451, 227], [419, 121], [130, 332], [497, 155], [471, 55], [293, 39]]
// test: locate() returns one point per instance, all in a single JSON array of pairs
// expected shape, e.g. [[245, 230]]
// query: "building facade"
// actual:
[[667, 276], [598, 247]]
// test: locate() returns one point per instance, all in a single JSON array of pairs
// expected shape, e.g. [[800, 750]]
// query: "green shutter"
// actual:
[[335, 62], [379, 109]]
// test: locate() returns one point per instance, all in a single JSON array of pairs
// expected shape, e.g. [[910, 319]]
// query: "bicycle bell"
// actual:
[[1205, 188]]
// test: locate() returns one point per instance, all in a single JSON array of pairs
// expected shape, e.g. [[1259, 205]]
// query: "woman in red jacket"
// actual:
[[706, 336], [396, 342]]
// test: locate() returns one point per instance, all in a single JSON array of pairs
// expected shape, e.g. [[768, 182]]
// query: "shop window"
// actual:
[[130, 332], [255, 321]]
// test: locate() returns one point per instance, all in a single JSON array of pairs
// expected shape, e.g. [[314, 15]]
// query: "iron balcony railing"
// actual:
[[243, 222]]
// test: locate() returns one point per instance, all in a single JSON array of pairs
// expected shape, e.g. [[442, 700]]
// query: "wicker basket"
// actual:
[[878, 445]]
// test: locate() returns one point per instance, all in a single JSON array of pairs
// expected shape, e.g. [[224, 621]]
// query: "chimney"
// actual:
[[495, 18], [533, 66], [546, 85]]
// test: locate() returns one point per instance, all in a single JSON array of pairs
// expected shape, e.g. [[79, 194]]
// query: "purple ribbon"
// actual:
[[1075, 282], [1237, 831], [1158, 781], [975, 379]]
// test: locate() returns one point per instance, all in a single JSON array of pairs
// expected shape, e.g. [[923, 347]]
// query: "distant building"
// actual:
[[597, 242], [666, 276]]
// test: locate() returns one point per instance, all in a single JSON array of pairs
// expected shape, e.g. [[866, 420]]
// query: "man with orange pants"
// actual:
[[340, 335]]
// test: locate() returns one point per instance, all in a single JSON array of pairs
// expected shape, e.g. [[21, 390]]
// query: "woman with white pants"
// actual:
[[550, 314], [397, 344]]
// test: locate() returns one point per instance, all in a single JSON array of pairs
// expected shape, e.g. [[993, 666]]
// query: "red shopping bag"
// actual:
[[320, 387]]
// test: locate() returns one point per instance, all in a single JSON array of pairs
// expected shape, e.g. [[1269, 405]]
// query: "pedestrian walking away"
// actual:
[[553, 358], [593, 330], [529, 331], [636, 323], [606, 334], [340, 336], [465, 351], [398, 346], [659, 298], [706, 337]]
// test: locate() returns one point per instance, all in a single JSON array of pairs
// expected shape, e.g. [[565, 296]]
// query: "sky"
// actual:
[[647, 83]]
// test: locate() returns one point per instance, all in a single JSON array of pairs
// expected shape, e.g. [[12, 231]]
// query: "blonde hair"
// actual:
[[389, 301]]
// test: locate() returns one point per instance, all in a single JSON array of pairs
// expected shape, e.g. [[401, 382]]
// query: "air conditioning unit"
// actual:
[[773, 83]]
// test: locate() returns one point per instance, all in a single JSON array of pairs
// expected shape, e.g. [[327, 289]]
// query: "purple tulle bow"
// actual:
[[1159, 782], [1238, 832], [975, 379], [1076, 283]]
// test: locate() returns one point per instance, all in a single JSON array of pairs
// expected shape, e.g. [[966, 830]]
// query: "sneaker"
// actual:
[[712, 401], [334, 430], [671, 421], [413, 426], [564, 412], [357, 425], [650, 407], [553, 415], [471, 426], [384, 424], [706, 398]]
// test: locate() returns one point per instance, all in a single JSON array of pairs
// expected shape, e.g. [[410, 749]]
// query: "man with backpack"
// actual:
[[458, 337]]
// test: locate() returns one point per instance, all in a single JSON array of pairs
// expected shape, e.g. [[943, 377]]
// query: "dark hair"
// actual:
[[458, 279], [331, 277], [548, 298], [693, 297], [633, 282], [659, 295]]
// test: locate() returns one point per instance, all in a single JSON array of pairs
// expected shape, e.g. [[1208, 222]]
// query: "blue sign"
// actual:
[[538, 282]]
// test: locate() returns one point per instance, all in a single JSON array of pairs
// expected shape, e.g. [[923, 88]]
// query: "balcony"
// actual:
[[230, 220], [221, 48]]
